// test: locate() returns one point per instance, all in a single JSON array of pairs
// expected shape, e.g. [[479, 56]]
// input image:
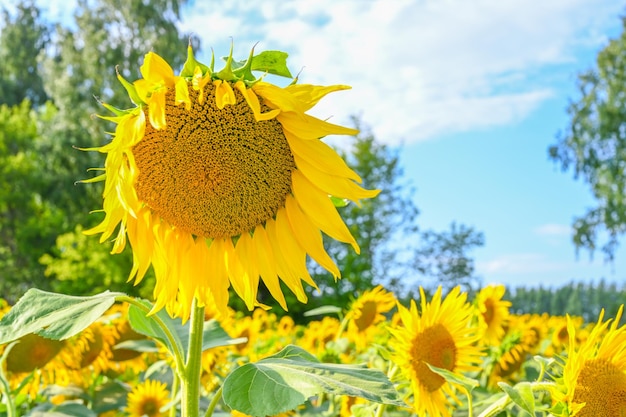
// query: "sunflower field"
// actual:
[[220, 186], [442, 356]]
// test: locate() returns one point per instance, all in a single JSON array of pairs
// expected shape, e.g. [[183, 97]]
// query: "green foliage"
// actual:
[[443, 256], [576, 299], [80, 264], [287, 379], [28, 220], [54, 316], [22, 39], [594, 146], [172, 333], [40, 205]]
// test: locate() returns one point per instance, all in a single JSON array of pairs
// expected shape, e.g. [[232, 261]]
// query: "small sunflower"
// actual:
[[218, 178], [370, 307], [147, 399], [493, 313], [440, 336], [594, 375]]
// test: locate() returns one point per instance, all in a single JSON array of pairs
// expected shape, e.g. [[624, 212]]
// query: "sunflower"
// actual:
[[440, 336], [594, 375], [493, 313], [218, 178], [147, 399], [366, 312]]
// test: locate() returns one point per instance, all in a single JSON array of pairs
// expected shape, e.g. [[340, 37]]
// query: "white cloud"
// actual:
[[553, 230], [519, 264], [418, 68]]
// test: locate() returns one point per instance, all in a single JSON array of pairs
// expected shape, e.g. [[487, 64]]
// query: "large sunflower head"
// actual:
[[218, 178], [594, 375], [440, 335]]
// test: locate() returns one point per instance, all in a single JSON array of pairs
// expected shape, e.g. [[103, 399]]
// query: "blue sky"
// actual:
[[473, 91]]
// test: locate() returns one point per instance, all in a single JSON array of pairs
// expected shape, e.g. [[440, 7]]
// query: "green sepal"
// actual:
[[130, 89], [338, 202], [226, 73], [191, 64], [272, 62], [244, 71], [117, 112], [97, 178]]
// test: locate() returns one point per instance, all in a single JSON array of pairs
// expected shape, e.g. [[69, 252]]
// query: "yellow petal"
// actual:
[[320, 209], [333, 185], [253, 102], [309, 236], [246, 281], [310, 95], [156, 70], [320, 155], [294, 254], [156, 109], [278, 98], [286, 272], [309, 127], [224, 94], [267, 265], [182, 93]]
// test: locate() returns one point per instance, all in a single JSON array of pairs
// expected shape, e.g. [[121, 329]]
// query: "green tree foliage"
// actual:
[[77, 63], [22, 40], [444, 258], [577, 299], [27, 220], [594, 146]]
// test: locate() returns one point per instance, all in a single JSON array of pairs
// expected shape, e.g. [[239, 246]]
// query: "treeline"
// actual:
[[576, 299]]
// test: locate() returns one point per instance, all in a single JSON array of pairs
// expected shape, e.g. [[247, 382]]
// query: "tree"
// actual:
[[77, 63], [27, 220], [594, 146], [443, 256], [22, 40]]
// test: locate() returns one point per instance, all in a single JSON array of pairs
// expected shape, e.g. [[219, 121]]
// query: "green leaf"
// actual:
[[521, 394], [272, 62], [62, 410], [287, 379], [148, 326], [213, 334], [54, 316], [143, 345], [322, 311], [468, 383]]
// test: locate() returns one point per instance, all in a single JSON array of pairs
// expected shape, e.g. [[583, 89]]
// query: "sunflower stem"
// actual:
[[214, 401], [11, 410], [172, 411], [190, 374]]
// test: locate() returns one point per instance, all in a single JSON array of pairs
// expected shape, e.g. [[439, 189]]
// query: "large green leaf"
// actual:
[[287, 379], [54, 316]]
